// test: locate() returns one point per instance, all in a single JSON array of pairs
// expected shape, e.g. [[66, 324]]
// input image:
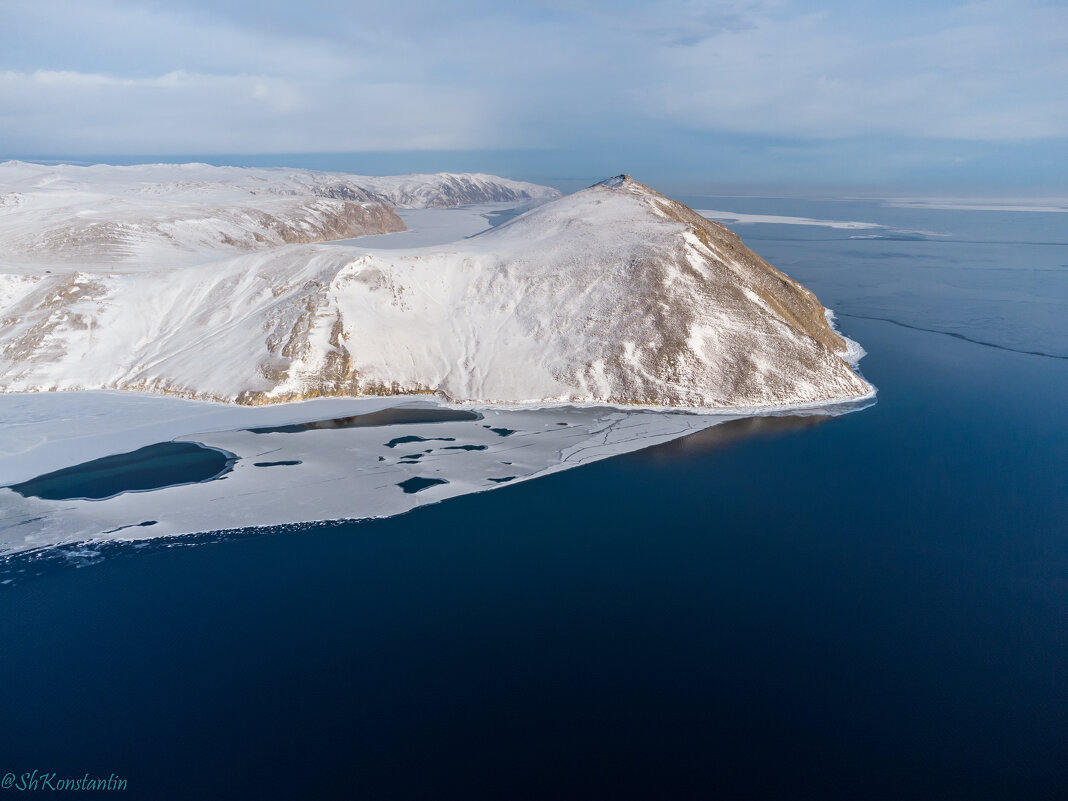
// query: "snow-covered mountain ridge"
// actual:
[[181, 213], [614, 294]]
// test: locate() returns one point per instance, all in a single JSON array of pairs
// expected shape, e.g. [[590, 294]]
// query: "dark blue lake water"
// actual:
[[165, 464], [874, 606]]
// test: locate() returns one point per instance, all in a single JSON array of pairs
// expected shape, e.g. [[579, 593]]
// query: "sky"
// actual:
[[901, 97]]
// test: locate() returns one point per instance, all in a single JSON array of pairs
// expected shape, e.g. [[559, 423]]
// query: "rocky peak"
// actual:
[[615, 181]]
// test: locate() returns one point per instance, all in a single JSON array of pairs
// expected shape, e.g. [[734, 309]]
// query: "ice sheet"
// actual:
[[327, 474], [738, 218]]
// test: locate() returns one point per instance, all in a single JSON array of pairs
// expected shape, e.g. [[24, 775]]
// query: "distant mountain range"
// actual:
[[189, 212]]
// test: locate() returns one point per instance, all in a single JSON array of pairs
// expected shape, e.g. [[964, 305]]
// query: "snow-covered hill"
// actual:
[[184, 213], [614, 294], [447, 190]]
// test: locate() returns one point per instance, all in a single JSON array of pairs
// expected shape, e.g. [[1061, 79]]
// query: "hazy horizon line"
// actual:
[[497, 163]]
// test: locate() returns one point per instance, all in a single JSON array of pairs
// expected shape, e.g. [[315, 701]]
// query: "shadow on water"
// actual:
[[396, 416], [727, 434], [165, 464]]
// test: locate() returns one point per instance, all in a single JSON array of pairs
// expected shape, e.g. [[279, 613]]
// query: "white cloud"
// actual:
[[115, 76], [180, 112], [985, 72]]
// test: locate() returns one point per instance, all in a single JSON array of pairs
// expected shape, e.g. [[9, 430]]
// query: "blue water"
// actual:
[[383, 417], [165, 464], [418, 483], [872, 606], [998, 278]]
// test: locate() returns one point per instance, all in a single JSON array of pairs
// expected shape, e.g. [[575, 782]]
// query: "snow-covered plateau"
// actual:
[[231, 300], [161, 215]]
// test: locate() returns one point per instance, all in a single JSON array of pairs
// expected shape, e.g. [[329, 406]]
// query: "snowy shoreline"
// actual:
[[630, 295], [336, 474], [35, 423]]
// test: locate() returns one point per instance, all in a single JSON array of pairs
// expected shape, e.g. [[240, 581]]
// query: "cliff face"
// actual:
[[614, 294]]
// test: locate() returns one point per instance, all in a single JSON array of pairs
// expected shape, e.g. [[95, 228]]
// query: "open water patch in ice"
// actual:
[[384, 417], [330, 472], [393, 443], [418, 484], [165, 464]]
